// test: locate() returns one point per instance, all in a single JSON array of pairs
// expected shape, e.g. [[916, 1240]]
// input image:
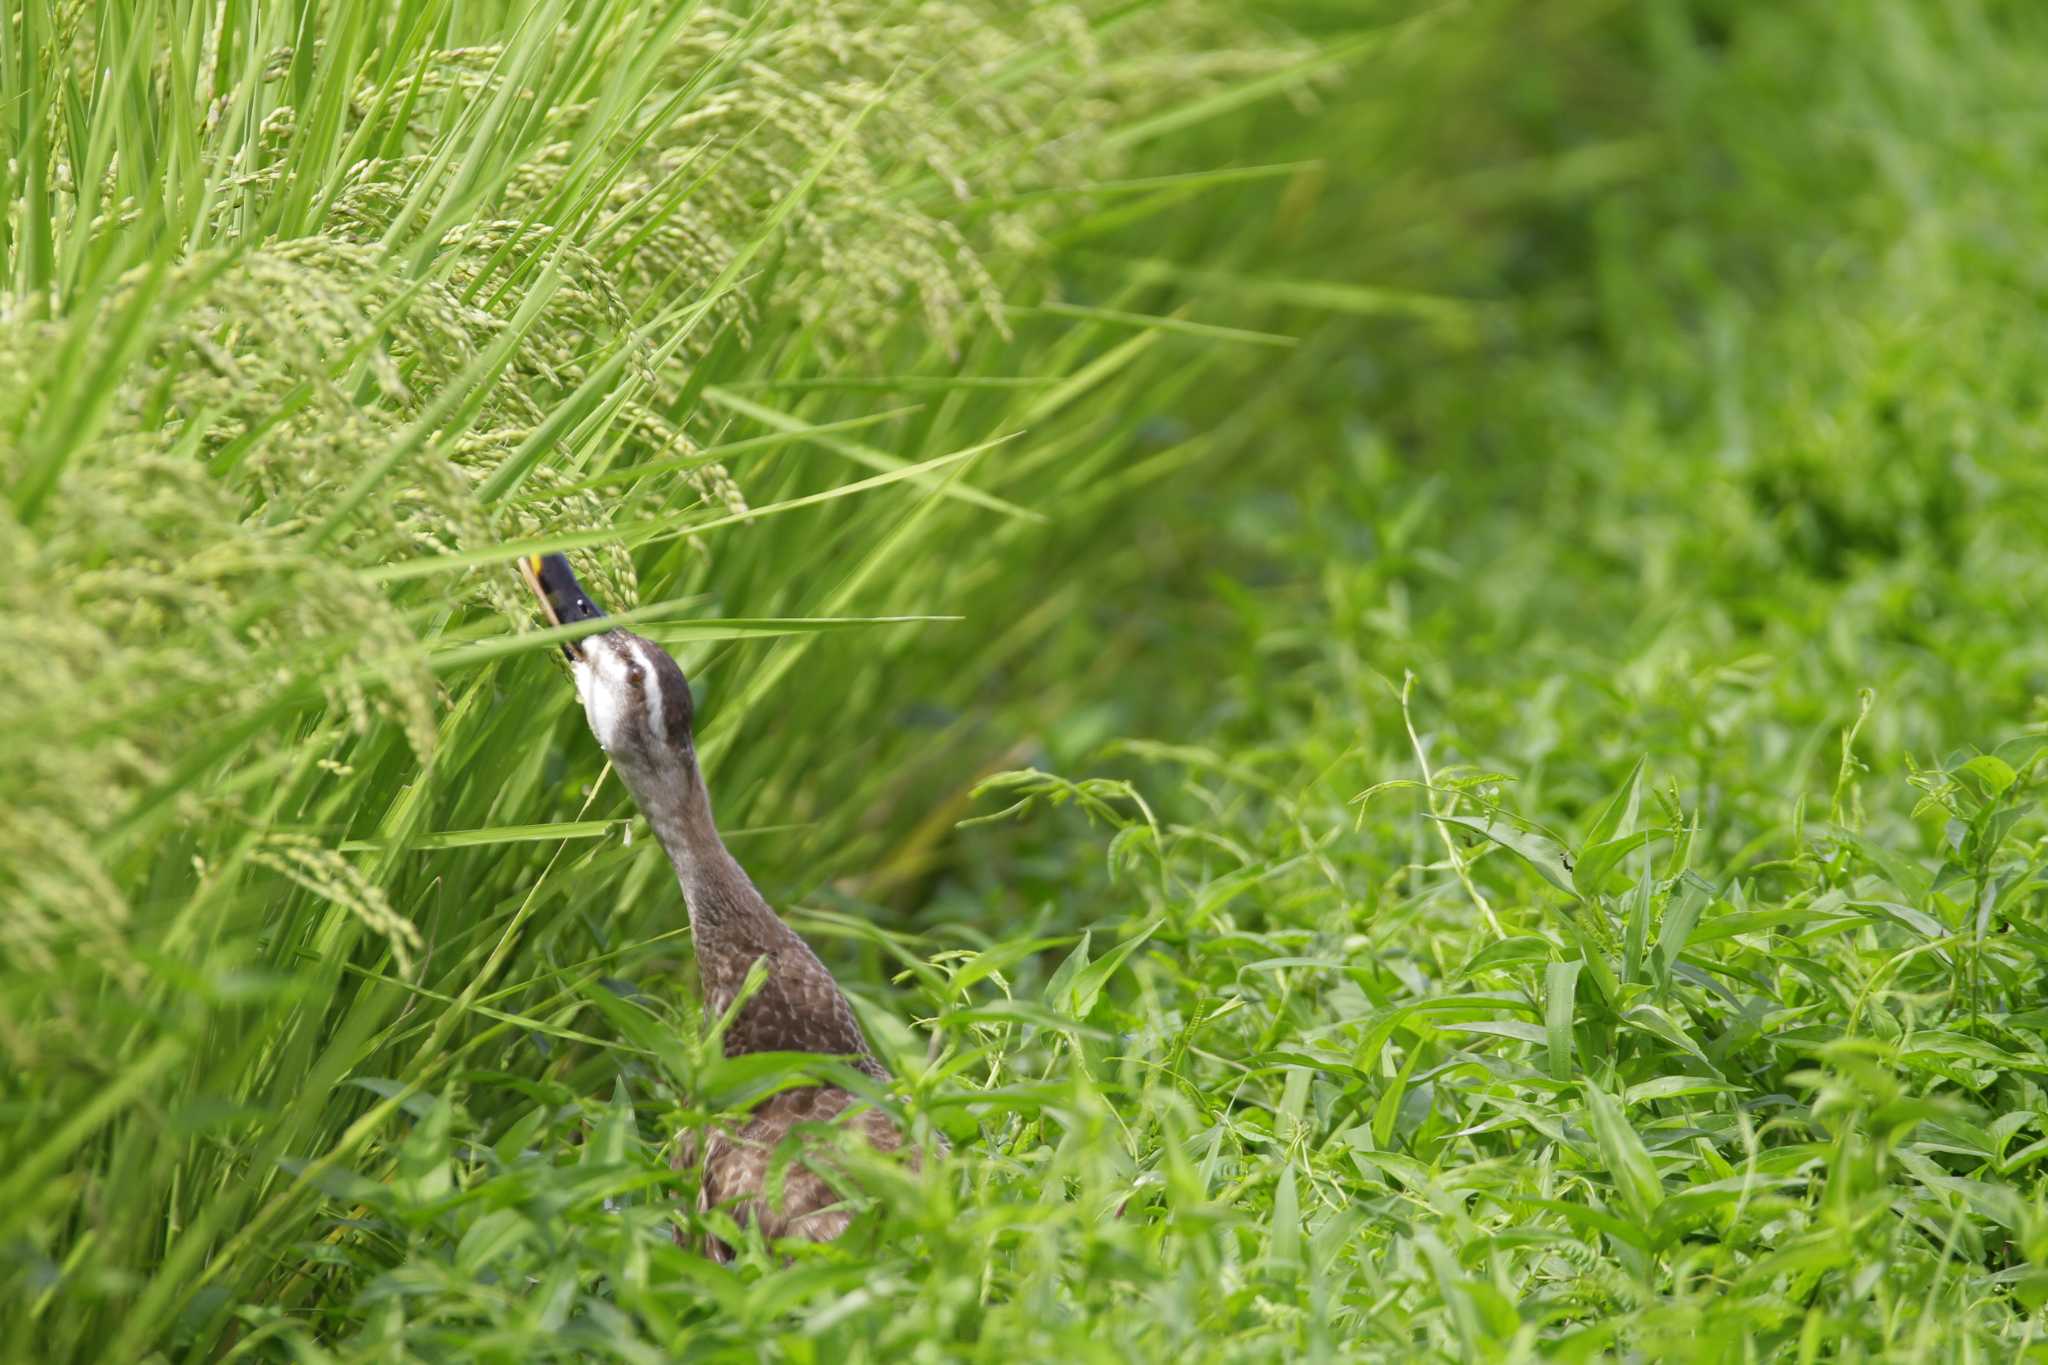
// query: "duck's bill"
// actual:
[[561, 596]]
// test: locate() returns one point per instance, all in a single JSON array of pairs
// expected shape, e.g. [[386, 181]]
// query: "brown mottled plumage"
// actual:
[[639, 707]]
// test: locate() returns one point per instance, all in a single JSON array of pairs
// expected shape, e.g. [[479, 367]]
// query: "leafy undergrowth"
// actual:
[[1387, 1072]]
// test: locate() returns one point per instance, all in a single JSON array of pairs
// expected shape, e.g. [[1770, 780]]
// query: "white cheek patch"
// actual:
[[601, 683]]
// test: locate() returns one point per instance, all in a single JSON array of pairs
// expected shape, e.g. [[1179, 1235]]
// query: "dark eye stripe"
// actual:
[[638, 662]]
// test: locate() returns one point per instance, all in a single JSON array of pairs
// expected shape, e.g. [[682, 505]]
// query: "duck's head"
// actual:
[[634, 694]]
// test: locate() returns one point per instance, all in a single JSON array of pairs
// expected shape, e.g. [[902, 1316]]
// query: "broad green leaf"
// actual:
[[1680, 917], [1509, 952], [1088, 982], [1622, 1153], [1560, 985], [1898, 869], [1387, 1110], [1058, 993], [1594, 871], [1616, 816], [1992, 772], [1284, 1224], [1544, 854]]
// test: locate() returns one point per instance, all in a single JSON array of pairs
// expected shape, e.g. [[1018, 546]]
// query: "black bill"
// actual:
[[561, 596]]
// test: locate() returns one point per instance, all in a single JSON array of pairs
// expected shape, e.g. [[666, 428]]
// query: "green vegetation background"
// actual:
[[1473, 571]]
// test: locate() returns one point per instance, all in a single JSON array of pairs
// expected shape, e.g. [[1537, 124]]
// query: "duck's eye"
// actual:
[[636, 675]]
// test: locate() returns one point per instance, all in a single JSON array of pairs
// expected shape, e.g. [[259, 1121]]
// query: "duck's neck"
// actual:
[[715, 887]]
